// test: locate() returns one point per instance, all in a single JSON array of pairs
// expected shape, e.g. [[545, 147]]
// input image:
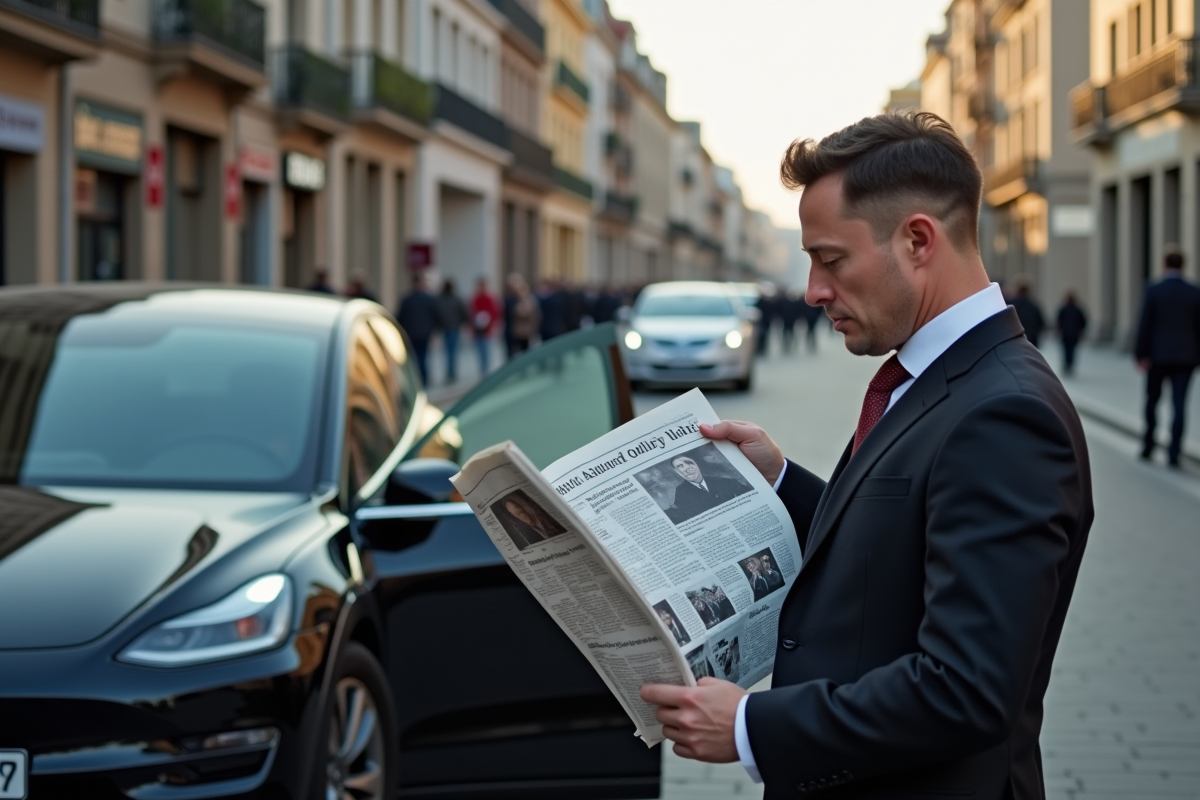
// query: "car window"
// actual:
[[675, 305], [381, 395], [549, 401]]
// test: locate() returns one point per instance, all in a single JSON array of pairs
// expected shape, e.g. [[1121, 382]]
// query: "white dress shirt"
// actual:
[[922, 349]]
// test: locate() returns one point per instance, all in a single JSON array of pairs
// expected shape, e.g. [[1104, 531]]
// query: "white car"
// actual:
[[690, 333]]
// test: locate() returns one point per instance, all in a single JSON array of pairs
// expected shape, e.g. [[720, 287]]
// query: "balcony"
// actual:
[[1008, 182], [219, 40], [575, 86], [565, 179], [1166, 80], [677, 229], [453, 108], [53, 30], [533, 162], [311, 91], [524, 24], [388, 97], [619, 207]]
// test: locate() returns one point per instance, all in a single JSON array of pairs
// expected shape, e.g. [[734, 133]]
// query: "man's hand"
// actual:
[[754, 443], [699, 719]]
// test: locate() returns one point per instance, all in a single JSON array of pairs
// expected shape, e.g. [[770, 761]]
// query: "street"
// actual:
[[1122, 709]]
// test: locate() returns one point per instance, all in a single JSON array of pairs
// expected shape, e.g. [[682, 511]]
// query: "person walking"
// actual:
[[812, 317], [791, 307], [1071, 323], [927, 676], [359, 288], [419, 316], [452, 316], [524, 317], [1168, 349], [485, 316], [552, 304], [1028, 312], [320, 283]]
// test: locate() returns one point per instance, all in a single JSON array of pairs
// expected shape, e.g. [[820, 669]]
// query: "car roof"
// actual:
[[688, 288], [58, 304]]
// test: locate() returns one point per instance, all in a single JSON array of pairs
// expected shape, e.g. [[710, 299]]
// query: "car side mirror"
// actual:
[[421, 480], [624, 313]]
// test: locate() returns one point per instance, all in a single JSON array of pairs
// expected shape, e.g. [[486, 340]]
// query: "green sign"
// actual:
[[108, 139]]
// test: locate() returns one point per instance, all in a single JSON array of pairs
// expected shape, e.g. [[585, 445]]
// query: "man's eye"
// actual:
[[832, 263]]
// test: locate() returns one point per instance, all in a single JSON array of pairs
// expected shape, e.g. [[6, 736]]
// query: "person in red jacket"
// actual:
[[485, 315]]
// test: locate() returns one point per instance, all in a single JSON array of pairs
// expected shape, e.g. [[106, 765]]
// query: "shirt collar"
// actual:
[[935, 337]]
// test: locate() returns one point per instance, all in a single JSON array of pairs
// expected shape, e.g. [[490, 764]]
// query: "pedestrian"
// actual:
[[812, 317], [552, 304], [359, 287], [485, 316], [791, 307], [1168, 348], [525, 316], [452, 316], [607, 302], [768, 310], [928, 674], [320, 282], [419, 316], [575, 309], [1028, 311], [1070, 324]]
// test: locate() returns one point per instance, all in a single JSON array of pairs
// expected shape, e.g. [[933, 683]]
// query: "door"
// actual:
[[493, 700]]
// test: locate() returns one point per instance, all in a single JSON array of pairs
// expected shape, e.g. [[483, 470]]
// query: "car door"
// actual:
[[492, 699]]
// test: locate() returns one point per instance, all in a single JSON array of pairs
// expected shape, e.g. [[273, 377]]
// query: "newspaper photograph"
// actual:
[[663, 555]]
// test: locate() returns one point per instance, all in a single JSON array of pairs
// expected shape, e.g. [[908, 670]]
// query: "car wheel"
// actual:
[[746, 383], [360, 751]]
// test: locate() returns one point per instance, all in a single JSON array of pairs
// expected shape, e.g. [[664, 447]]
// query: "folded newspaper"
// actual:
[[663, 555]]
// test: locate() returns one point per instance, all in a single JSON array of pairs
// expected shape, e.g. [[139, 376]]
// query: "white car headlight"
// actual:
[[255, 617], [733, 339], [633, 340]]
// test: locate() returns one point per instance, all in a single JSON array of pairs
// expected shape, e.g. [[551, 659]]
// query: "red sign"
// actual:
[[233, 192], [154, 176], [420, 256], [258, 164]]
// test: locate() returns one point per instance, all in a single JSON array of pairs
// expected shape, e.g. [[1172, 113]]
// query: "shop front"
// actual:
[[259, 169], [22, 137], [108, 158], [303, 182]]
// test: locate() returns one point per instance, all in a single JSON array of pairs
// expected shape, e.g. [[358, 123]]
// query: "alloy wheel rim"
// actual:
[[354, 765]]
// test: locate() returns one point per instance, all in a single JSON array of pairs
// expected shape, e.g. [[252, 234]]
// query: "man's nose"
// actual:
[[818, 292]]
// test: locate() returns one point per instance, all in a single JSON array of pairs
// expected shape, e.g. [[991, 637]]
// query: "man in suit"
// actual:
[[916, 642], [758, 583], [773, 576], [668, 619], [1168, 348], [698, 493]]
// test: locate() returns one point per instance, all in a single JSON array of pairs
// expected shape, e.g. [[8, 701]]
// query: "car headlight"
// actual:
[[733, 339], [255, 617], [633, 340]]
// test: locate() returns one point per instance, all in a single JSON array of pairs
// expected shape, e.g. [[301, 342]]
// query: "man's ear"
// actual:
[[920, 237]]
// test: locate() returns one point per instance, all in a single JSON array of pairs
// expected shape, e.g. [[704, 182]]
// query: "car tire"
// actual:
[[358, 752], [745, 384]]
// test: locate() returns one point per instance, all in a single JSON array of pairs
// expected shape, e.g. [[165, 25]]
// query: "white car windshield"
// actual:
[[680, 305]]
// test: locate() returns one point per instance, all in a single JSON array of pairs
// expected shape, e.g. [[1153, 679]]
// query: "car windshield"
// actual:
[[158, 403], [684, 305]]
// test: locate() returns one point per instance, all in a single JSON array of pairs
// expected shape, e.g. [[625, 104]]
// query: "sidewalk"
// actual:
[[1108, 388], [443, 393]]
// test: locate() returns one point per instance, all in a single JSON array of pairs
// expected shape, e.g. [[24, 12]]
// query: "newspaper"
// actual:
[[665, 556]]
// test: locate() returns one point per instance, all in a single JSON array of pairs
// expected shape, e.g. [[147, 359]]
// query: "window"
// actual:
[[1137, 30], [437, 44], [454, 66], [1170, 17], [1112, 50], [1153, 22]]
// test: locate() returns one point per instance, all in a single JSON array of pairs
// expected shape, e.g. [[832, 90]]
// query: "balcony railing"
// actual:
[[570, 80], [235, 26], [1087, 106], [620, 207], [531, 156], [77, 15], [1026, 169], [379, 83], [305, 80], [522, 21], [573, 183], [1174, 68], [459, 111]]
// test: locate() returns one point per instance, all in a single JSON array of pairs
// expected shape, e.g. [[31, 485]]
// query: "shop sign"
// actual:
[[257, 164], [108, 139], [155, 177], [419, 256], [233, 192], [1072, 221], [303, 172], [22, 126]]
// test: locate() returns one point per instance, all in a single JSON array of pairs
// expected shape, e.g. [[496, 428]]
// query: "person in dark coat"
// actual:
[[812, 316], [359, 287], [320, 283], [552, 304], [452, 316], [575, 308], [1070, 324], [1029, 313], [420, 317], [606, 305], [1168, 348], [791, 308], [699, 492]]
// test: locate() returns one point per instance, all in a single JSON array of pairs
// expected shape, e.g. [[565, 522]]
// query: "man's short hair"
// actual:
[[1172, 257], [894, 165]]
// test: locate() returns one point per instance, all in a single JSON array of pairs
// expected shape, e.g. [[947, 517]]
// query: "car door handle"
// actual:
[[420, 511]]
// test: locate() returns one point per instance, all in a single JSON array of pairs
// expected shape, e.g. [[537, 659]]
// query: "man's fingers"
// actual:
[[734, 430], [663, 694]]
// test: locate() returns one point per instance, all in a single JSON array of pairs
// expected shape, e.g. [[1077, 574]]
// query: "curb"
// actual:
[[1124, 423]]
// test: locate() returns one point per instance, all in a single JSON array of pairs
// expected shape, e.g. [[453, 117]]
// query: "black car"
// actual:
[[231, 563]]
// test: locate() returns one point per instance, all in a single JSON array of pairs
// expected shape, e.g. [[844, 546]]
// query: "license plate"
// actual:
[[14, 771]]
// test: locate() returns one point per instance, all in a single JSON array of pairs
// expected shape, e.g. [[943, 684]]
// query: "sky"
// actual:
[[757, 74]]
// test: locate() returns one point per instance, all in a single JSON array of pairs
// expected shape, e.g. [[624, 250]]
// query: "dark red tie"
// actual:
[[879, 394]]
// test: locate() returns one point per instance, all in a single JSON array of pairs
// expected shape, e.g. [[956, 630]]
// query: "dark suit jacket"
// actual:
[[916, 642], [691, 500], [1169, 332]]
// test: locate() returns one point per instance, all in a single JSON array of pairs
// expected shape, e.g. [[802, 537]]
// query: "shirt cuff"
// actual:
[[779, 480], [741, 738]]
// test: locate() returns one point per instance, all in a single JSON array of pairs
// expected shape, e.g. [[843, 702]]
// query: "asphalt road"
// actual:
[[1123, 710]]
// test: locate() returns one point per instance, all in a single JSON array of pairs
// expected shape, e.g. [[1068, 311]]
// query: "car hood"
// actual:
[[74, 563], [684, 327]]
